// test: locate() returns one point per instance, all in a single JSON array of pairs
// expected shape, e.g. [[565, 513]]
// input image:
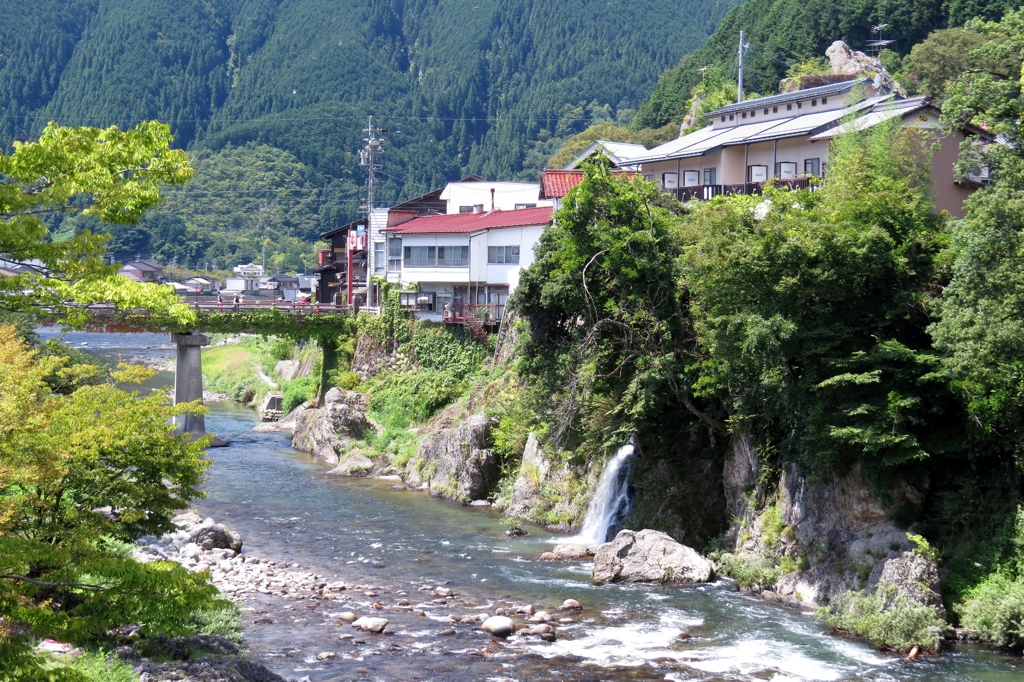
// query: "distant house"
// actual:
[[621, 154], [143, 271], [555, 183], [785, 138], [202, 285], [463, 266], [366, 248]]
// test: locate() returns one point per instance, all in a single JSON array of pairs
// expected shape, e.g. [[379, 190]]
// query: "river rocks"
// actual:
[[211, 535], [570, 605], [540, 617], [355, 464], [455, 463], [212, 669], [649, 556], [329, 430], [567, 552], [369, 624], [913, 577], [499, 626]]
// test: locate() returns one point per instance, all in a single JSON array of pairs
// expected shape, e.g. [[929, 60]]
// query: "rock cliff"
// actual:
[[454, 462], [329, 430]]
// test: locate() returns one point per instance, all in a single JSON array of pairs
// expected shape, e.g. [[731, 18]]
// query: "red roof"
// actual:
[[555, 183], [474, 222]]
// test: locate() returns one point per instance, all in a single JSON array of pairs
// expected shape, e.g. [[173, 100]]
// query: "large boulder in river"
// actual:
[[455, 462], [329, 430], [212, 535], [649, 556]]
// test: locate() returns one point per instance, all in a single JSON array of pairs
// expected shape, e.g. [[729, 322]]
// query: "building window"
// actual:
[[453, 256], [766, 111], [650, 177], [775, 110], [436, 256], [814, 102], [812, 167], [799, 105], [691, 178], [789, 107], [670, 180], [744, 114], [730, 117], [502, 255], [824, 100], [475, 208], [757, 173], [785, 170], [378, 257], [723, 119], [394, 255], [422, 301], [709, 176], [519, 206]]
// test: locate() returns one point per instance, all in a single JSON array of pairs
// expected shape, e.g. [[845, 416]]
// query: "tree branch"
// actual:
[[43, 583]]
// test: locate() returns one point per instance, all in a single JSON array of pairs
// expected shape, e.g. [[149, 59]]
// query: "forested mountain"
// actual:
[[462, 87], [782, 33]]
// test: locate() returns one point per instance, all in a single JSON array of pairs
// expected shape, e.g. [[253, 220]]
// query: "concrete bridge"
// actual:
[[325, 322]]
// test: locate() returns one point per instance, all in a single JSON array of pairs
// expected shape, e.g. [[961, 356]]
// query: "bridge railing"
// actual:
[[297, 308]]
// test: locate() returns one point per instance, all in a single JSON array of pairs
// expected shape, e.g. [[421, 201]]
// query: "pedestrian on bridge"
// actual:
[[220, 301], [234, 307]]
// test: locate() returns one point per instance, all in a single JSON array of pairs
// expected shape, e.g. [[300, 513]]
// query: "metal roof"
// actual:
[[620, 153], [473, 222], [709, 140], [772, 100], [880, 112]]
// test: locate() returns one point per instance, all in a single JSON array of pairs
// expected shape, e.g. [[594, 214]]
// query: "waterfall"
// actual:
[[611, 499]]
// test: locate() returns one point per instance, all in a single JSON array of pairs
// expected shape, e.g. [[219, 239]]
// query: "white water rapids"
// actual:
[[610, 501]]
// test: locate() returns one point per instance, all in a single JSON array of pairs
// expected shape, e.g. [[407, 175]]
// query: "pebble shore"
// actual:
[[284, 589]]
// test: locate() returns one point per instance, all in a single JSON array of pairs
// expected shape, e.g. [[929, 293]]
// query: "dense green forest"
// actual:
[[783, 33], [489, 88]]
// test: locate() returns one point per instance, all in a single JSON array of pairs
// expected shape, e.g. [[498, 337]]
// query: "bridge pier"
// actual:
[[188, 383]]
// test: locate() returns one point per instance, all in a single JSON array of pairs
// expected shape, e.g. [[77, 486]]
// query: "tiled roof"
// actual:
[[555, 183], [474, 222]]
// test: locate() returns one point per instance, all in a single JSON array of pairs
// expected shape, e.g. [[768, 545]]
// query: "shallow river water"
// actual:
[[366, 532]]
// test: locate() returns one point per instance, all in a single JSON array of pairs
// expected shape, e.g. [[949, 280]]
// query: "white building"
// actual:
[[460, 267]]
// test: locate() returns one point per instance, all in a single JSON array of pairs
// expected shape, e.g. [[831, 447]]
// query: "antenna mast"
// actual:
[[878, 40], [739, 89]]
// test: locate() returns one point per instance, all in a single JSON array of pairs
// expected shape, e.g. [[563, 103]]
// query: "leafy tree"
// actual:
[[941, 58], [808, 307], [76, 472], [111, 175], [981, 328]]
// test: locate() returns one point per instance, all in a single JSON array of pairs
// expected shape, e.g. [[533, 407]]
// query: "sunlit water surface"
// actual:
[[364, 531]]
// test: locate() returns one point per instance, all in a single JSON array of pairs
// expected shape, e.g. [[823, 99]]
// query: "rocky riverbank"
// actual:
[[358, 616]]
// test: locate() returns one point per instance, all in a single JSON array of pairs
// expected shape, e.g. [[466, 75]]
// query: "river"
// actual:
[[394, 542]]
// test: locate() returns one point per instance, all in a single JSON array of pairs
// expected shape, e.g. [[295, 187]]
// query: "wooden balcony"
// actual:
[[485, 314], [708, 192]]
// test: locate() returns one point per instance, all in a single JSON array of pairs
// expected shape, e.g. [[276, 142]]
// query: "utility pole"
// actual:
[[367, 157], [739, 89]]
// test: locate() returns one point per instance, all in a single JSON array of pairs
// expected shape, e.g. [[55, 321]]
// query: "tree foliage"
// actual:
[[112, 175], [78, 472]]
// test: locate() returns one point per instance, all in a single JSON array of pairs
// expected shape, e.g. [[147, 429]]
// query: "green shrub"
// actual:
[[896, 626], [994, 611], [412, 397], [225, 622], [347, 380], [445, 349], [94, 667], [298, 392], [750, 569]]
